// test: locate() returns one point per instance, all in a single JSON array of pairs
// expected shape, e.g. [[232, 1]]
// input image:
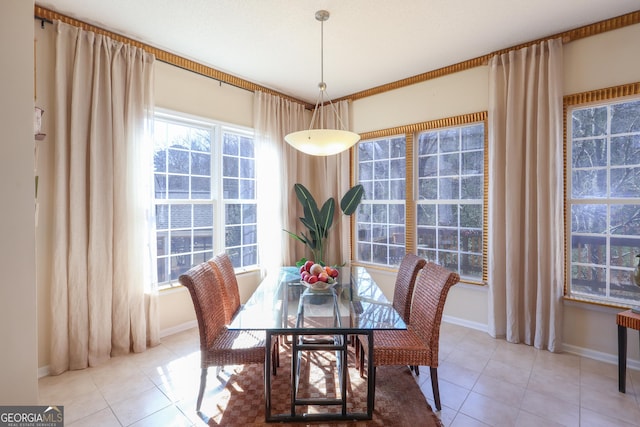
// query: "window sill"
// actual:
[[176, 286], [594, 305], [171, 288]]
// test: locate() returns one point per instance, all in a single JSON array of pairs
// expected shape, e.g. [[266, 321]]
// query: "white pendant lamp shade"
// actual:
[[322, 142]]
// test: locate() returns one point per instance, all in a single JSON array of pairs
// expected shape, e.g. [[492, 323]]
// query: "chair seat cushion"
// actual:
[[399, 347], [245, 346]]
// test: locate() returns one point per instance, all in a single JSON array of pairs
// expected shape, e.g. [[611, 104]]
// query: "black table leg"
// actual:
[[371, 376], [267, 376], [622, 358]]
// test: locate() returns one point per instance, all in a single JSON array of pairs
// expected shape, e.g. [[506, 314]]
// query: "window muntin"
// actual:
[[603, 198], [450, 196], [191, 177], [380, 218], [240, 204]]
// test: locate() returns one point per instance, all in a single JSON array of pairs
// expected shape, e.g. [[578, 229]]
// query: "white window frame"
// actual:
[[216, 129], [423, 250], [624, 271], [390, 244]]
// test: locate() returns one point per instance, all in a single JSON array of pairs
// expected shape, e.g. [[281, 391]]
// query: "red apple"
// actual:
[[308, 264], [324, 277], [312, 279]]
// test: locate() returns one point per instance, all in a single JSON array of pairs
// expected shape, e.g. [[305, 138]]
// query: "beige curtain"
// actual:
[[274, 117], [102, 297], [336, 185], [525, 195], [324, 176]]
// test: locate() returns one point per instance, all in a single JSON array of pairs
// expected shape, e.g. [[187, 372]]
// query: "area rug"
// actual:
[[398, 399]]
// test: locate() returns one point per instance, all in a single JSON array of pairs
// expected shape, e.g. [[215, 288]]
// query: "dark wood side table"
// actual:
[[626, 319]]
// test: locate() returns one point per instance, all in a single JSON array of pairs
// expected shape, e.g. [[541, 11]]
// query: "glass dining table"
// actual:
[[318, 320]]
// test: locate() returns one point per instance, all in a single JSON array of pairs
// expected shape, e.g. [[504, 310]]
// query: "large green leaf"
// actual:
[[310, 207], [305, 197], [326, 216], [295, 236], [311, 241], [351, 199], [308, 223]]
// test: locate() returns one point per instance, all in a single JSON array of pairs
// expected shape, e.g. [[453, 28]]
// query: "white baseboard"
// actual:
[[598, 355], [178, 328], [43, 371], [466, 323], [572, 349]]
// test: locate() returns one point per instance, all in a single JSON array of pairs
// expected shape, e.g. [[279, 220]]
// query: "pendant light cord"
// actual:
[[323, 15]]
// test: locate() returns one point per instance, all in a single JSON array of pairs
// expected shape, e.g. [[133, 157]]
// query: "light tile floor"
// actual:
[[483, 382]]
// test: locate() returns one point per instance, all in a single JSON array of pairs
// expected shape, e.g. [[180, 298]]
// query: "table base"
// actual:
[[301, 342]]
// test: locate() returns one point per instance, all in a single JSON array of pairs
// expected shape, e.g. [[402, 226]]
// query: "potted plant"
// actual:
[[318, 221]]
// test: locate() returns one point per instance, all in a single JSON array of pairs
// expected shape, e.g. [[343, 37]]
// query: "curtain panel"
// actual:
[[526, 195], [336, 184], [274, 117], [324, 176], [102, 284]]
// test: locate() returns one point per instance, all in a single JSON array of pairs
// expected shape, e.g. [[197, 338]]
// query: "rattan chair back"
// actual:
[[429, 297], [227, 276], [405, 283], [205, 290]]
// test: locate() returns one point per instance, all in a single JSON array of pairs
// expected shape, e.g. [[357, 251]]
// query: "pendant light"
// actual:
[[322, 142]]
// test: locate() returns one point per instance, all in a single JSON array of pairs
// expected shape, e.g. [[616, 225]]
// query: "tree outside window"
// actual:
[[603, 149]]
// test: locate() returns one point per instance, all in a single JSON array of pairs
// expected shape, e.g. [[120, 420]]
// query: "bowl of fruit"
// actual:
[[318, 277]]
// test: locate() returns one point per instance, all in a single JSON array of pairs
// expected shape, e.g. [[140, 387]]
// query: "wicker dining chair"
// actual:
[[402, 295], [418, 344], [223, 266], [218, 345]]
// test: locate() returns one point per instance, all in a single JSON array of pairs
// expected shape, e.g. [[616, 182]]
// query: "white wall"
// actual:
[[451, 95], [18, 333], [44, 81], [191, 93]]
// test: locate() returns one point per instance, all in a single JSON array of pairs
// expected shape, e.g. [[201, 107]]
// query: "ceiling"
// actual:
[[367, 43]]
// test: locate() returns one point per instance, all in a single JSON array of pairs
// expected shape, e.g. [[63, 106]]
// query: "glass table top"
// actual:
[[281, 301]]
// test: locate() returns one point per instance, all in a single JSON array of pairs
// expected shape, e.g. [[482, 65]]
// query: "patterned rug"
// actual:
[[398, 399]]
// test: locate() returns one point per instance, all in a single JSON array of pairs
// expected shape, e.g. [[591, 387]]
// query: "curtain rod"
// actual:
[[49, 21], [42, 20]]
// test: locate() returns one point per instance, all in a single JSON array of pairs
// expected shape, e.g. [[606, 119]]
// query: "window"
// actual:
[[380, 220], [450, 194], [192, 179], [425, 193], [603, 200]]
